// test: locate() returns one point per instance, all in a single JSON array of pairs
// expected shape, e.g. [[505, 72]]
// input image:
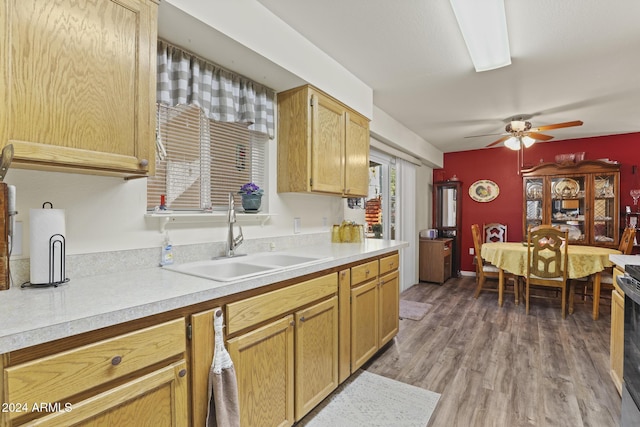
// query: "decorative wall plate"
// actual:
[[484, 190]]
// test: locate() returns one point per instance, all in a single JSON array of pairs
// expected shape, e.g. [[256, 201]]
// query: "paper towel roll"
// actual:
[[47, 230]]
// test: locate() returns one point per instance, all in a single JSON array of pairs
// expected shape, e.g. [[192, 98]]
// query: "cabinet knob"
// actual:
[[366, 272], [343, 274], [144, 163], [116, 360], [302, 318], [182, 373]]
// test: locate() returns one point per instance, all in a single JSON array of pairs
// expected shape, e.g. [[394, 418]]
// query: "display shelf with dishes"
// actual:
[[533, 191], [581, 198]]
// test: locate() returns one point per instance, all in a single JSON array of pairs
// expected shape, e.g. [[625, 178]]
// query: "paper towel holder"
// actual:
[[57, 246]]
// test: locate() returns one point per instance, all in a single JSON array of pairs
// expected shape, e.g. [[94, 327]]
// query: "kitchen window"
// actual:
[[200, 161], [212, 132]]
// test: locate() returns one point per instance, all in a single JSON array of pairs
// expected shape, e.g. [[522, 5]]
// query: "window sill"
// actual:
[[163, 219]]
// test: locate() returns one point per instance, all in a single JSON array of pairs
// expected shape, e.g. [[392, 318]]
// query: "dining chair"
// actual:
[[486, 270], [606, 276], [495, 232], [547, 260]]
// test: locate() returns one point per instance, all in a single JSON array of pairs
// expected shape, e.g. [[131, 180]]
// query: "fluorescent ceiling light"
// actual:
[[484, 28]]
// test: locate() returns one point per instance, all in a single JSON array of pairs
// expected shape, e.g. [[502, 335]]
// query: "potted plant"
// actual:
[[251, 197]]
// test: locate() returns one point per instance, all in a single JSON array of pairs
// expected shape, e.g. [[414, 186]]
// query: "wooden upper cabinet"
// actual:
[[323, 146], [78, 84]]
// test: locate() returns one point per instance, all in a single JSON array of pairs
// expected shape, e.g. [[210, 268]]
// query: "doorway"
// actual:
[[380, 204]]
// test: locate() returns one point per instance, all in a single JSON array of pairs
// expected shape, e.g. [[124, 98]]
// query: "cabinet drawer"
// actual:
[[364, 272], [389, 263], [59, 376], [254, 310]]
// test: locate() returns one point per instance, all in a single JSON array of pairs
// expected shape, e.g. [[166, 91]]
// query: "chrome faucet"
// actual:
[[232, 242]]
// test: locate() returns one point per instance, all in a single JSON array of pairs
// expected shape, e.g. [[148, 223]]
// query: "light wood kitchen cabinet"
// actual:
[[375, 305], [582, 198], [202, 345], [140, 376], [323, 146], [289, 365], [435, 259], [617, 332], [78, 85]]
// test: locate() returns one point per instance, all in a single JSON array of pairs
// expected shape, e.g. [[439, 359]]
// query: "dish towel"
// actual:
[[224, 409]]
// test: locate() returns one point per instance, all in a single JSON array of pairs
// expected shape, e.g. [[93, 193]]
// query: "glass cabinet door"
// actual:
[[568, 207], [604, 208], [534, 206]]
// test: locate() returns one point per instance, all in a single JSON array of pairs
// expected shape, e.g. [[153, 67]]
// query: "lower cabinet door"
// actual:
[[389, 307], [617, 338], [364, 323], [316, 355], [156, 399], [263, 360]]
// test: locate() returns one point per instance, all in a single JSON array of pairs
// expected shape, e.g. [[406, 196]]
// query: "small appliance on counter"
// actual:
[[429, 233]]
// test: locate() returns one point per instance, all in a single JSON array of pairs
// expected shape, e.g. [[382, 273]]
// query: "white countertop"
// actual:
[[622, 260], [33, 316]]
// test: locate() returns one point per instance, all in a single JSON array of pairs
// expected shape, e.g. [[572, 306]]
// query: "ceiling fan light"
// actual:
[[527, 141], [512, 143], [484, 29]]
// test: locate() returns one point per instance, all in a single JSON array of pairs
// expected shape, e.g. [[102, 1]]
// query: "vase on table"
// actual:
[[251, 202]]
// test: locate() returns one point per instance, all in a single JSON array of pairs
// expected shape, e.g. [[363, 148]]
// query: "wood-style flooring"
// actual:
[[497, 366]]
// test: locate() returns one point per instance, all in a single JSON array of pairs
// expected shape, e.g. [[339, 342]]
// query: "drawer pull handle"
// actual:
[[116, 360], [302, 319], [144, 163], [366, 272], [182, 373]]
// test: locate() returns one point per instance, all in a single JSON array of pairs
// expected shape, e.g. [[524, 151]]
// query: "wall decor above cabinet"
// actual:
[[323, 146], [78, 85]]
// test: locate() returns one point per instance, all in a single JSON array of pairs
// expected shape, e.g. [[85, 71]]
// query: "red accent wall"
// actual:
[[501, 166]]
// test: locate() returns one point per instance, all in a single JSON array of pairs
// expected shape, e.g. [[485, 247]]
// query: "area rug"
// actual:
[[413, 310], [371, 400]]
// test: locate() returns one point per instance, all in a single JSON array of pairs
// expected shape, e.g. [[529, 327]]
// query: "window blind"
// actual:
[[200, 161]]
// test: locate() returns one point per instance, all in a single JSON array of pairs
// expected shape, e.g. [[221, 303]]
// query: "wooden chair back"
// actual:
[[627, 240], [477, 242], [548, 253], [495, 232]]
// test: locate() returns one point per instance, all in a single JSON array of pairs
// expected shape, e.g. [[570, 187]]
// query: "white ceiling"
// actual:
[[571, 60]]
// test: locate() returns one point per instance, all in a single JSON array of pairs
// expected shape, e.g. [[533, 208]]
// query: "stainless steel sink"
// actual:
[[242, 267]]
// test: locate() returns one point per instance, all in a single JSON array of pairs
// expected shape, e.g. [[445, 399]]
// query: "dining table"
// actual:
[[583, 261]]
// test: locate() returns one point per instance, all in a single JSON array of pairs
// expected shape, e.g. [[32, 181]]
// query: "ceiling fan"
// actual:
[[521, 134]]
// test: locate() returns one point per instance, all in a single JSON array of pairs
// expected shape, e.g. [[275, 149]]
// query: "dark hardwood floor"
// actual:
[[497, 366]]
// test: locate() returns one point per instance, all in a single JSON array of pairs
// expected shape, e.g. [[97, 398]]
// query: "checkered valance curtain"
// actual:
[[183, 78]]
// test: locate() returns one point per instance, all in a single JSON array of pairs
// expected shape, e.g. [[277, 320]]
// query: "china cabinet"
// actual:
[[447, 217], [582, 198]]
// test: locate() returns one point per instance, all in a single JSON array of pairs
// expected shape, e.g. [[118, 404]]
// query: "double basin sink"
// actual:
[[244, 266]]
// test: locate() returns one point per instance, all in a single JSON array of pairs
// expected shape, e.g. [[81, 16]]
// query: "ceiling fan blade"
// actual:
[[504, 138], [558, 126], [539, 136], [486, 134]]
